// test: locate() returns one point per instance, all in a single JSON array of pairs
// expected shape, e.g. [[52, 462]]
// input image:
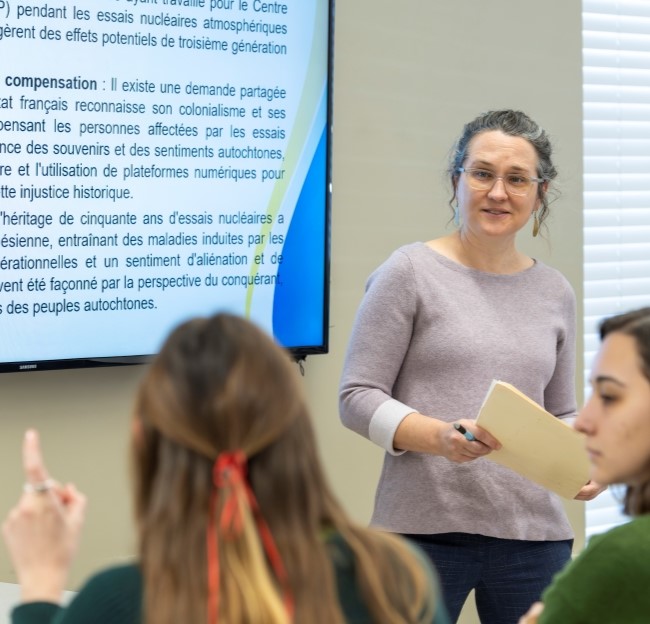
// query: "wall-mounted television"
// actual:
[[159, 160]]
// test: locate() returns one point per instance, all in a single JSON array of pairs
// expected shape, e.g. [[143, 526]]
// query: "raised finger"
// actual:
[[35, 471]]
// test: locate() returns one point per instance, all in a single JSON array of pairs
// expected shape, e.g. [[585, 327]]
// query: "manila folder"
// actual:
[[535, 444]]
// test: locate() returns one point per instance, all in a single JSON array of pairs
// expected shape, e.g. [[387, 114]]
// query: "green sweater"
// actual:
[[114, 596], [608, 583]]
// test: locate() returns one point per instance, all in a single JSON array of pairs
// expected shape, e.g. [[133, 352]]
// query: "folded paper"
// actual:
[[535, 444]]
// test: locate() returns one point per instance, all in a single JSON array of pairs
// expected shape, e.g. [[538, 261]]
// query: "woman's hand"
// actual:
[[424, 434], [590, 491], [464, 441], [42, 531], [533, 613]]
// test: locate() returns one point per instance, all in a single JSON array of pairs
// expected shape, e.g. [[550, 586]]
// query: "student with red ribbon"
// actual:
[[236, 523]]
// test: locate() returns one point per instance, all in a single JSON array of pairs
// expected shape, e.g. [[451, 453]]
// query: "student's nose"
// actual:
[[585, 420]]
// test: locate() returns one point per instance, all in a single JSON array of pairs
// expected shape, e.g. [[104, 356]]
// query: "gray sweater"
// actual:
[[429, 337]]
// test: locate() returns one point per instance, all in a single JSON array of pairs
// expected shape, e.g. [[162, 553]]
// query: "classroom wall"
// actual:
[[407, 77]]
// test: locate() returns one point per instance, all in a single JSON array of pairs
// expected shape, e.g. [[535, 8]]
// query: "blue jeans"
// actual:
[[507, 576]]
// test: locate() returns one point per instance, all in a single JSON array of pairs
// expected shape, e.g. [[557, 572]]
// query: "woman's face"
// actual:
[[495, 212], [616, 418]]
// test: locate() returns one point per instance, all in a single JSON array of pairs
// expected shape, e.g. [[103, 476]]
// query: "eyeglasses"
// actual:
[[484, 180]]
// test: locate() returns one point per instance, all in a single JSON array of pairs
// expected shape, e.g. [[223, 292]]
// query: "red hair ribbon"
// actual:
[[230, 473]]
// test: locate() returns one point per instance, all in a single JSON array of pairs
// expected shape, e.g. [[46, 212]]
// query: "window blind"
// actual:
[[616, 119]]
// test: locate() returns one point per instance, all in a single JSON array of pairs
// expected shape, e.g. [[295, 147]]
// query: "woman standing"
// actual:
[[440, 320]]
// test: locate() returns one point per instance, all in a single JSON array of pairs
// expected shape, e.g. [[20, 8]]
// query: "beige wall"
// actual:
[[407, 76]]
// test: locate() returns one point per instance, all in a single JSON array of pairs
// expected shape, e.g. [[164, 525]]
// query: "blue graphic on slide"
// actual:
[[301, 289]]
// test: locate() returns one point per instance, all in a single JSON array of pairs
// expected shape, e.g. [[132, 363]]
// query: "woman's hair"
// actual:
[[513, 123], [220, 384], [635, 324]]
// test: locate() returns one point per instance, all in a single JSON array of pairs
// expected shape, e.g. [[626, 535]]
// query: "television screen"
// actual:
[[161, 159]]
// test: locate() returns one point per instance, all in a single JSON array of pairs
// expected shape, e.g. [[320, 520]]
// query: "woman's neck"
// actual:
[[497, 256]]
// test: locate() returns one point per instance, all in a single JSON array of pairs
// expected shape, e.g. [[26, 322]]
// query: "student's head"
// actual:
[[221, 388], [221, 385], [616, 418]]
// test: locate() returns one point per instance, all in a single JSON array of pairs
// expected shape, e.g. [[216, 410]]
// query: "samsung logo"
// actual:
[[27, 366]]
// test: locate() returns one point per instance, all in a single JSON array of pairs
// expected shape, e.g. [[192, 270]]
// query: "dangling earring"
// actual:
[[456, 215], [535, 224]]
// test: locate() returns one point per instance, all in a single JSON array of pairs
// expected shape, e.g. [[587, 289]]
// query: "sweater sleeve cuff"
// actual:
[[384, 423]]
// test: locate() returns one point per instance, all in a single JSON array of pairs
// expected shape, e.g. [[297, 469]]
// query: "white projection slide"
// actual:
[[160, 159]]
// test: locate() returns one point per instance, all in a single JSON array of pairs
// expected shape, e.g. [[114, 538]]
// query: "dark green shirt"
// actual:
[[114, 596]]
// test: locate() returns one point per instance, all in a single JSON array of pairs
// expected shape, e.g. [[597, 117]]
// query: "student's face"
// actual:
[[616, 418], [495, 212]]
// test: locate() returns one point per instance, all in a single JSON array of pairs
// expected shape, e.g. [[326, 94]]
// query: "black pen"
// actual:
[[468, 434]]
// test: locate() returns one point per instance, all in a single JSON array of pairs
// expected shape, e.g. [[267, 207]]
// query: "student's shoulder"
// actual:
[[112, 596], [607, 581], [630, 538], [126, 575]]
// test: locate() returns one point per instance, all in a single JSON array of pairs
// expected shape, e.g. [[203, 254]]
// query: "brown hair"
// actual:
[[221, 384], [635, 324], [514, 123]]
